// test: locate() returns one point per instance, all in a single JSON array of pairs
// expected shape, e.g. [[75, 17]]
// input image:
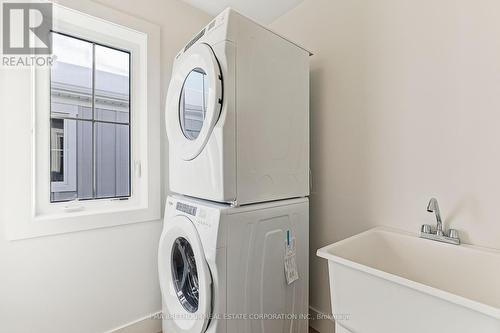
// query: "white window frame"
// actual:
[[100, 24]]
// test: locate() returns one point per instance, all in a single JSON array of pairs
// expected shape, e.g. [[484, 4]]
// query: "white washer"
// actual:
[[222, 269], [237, 115]]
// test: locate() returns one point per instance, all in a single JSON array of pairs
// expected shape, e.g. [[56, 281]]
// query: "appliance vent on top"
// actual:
[[194, 40]]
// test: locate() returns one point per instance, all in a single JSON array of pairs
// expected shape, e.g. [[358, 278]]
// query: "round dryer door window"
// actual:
[[194, 100], [185, 275], [193, 103]]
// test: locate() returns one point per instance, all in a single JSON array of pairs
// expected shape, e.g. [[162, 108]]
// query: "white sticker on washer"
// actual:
[[291, 272]]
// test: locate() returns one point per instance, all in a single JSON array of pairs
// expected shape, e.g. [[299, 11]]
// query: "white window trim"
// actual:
[[38, 216]]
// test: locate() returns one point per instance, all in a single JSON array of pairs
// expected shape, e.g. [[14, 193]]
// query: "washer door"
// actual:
[[185, 278], [194, 100]]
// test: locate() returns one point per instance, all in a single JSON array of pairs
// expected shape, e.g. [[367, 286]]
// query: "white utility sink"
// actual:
[[387, 281]]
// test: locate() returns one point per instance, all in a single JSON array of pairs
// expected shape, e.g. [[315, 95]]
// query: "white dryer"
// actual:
[[222, 270], [237, 114]]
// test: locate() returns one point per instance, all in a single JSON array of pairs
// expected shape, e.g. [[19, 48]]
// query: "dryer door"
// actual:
[[185, 278], [194, 100]]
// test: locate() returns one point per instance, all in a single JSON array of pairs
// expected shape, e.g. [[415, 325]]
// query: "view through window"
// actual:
[[90, 121]]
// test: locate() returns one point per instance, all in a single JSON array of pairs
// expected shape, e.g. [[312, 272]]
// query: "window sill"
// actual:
[[80, 220]]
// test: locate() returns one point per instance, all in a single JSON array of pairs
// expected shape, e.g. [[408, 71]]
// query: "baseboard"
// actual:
[[320, 321], [146, 324]]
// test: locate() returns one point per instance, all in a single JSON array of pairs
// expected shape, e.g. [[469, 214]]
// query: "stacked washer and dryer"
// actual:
[[233, 254]]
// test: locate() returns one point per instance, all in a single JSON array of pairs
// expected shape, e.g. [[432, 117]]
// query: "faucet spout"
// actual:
[[433, 207]]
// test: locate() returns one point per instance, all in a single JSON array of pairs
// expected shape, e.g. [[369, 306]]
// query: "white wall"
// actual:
[[405, 105], [96, 280]]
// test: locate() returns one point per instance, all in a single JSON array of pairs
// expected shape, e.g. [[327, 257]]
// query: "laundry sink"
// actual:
[[389, 281]]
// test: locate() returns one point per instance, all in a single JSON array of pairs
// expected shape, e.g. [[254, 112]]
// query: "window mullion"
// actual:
[[94, 148]]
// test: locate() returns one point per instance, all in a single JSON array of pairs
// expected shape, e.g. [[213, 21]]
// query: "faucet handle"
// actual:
[[453, 233], [426, 229]]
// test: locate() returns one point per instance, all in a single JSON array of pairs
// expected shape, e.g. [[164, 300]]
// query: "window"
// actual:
[[87, 153], [90, 120]]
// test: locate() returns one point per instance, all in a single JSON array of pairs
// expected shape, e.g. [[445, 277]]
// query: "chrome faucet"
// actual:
[[439, 234], [433, 207]]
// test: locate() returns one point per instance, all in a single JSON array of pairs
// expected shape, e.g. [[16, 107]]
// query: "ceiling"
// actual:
[[263, 11]]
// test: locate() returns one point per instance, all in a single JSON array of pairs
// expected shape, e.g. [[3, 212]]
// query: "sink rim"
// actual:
[[486, 309]]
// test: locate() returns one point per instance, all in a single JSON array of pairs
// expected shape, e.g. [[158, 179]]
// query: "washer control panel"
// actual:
[[185, 208], [205, 216], [198, 214]]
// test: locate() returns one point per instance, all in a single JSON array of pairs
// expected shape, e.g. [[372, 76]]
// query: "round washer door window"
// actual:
[[185, 279], [185, 274], [193, 103]]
